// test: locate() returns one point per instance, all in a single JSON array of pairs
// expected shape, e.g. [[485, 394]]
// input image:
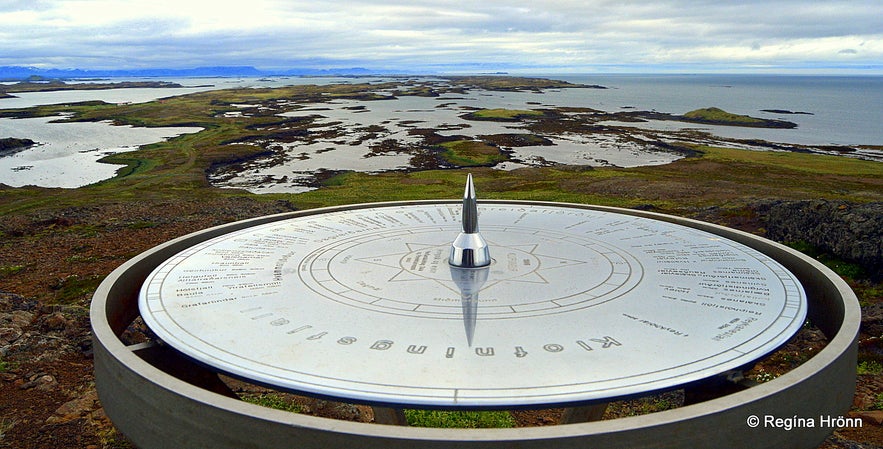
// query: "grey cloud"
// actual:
[[397, 33]]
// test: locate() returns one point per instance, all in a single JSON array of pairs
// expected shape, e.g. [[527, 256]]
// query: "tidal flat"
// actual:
[[288, 139]]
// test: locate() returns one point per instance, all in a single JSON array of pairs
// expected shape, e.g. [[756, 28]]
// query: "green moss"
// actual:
[[74, 288], [458, 419]]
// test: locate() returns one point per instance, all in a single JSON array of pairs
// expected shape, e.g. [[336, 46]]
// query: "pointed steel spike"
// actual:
[[470, 207], [469, 250]]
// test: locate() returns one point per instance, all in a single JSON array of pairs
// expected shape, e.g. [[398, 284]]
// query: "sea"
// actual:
[[829, 110]]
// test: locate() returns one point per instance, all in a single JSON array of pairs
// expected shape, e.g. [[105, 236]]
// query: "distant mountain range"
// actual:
[[20, 73]]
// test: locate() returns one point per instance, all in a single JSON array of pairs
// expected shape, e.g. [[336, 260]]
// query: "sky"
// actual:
[[537, 36]]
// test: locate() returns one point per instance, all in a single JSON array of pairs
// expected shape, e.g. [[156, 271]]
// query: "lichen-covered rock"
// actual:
[[850, 231]]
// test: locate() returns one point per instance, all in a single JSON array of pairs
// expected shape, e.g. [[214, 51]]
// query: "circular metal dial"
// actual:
[[577, 305]]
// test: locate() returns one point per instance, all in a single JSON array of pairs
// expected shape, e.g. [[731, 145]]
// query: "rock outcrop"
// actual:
[[849, 231]]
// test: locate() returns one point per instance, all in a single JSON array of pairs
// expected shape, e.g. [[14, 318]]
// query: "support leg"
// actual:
[[584, 413], [389, 416]]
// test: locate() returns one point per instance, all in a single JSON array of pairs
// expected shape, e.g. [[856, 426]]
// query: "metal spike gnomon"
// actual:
[[469, 250]]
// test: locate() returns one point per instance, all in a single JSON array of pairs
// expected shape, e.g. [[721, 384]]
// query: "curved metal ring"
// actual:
[[157, 410]]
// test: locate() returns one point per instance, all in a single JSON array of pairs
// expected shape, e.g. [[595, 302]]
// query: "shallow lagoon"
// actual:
[[296, 170], [67, 154]]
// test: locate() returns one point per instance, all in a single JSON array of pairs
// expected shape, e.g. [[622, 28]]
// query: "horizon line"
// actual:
[[25, 71]]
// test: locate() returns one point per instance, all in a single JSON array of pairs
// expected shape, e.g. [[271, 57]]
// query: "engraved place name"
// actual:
[[669, 255], [731, 308], [733, 327], [310, 333], [206, 303], [686, 272], [253, 285], [657, 326]]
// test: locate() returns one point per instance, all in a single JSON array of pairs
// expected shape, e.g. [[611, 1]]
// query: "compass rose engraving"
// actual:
[[409, 273]]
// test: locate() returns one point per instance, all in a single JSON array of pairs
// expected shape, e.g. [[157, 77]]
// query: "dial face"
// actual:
[[577, 305]]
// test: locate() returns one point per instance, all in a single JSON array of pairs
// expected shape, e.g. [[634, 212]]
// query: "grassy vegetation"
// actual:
[[719, 115], [458, 419], [6, 424], [513, 83], [177, 167], [471, 153], [272, 400], [719, 177], [869, 367], [642, 406], [9, 270], [73, 288], [504, 114], [417, 418], [808, 164], [841, 267]]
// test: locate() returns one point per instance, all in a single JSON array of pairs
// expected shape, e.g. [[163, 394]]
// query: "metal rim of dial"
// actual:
[[154, 401]]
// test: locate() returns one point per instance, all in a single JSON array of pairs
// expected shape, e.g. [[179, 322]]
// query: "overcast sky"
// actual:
[[422, 35]]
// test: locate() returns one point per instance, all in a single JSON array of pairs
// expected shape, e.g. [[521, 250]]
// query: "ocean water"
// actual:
[[845, 110], [834, 110]]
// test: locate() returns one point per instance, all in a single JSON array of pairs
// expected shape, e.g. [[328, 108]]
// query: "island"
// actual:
[[717, 116], [56, 85], [12, 145]]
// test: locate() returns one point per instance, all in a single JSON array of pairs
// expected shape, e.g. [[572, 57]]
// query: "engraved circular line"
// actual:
[[556, 309]]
